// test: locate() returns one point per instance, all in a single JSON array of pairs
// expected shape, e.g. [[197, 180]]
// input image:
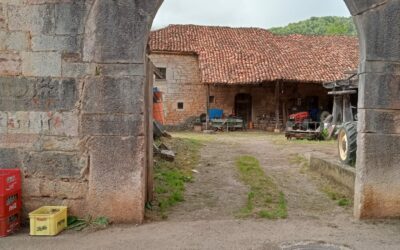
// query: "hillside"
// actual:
[[319, 26]]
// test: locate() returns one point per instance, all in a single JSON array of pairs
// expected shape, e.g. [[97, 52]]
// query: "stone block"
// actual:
[[3, 122], [120, 70], [117, 178], [379, 121], [56, 143], [37, 19], [10, 63], [113, 95], [68, 44], [77, 70], [65, 190], [41, 64], [44, 123], [358, 7], [70, 17], [10, 158], [53, 165], [379, 27], [24, 141], [37, 94], [379, 91], [16, 41], [112, 124], [377, 176], [118, 32], [2, 16]]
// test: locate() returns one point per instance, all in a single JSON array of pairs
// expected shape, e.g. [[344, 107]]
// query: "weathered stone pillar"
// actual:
[[377, 191], [113, 107]]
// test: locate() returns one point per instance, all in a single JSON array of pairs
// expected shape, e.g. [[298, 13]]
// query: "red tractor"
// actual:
[[301, 126]]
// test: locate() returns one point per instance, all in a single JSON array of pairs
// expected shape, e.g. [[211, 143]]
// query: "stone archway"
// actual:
[[72, 107]]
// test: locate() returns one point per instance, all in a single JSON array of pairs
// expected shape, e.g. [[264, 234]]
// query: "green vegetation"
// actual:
[[170, 177], [336, 195], [329, 25], [264, 200], [78, 224]]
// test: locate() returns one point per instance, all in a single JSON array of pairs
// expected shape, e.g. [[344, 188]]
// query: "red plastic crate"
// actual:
[[10, 181], [10, 204], [9, 224]]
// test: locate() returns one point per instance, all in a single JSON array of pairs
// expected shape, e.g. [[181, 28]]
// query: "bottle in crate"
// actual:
[[9, 224], [10, 204], [10, 201], [10, 181]]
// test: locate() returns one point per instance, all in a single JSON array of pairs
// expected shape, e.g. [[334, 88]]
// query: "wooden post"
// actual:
[[277, 113], [208, 106], [149, 130], [284, 113]]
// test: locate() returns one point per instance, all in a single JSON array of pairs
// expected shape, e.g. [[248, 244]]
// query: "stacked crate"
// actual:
[[10, 201]]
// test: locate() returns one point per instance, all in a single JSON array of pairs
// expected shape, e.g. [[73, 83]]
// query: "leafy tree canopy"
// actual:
[[330, 25]]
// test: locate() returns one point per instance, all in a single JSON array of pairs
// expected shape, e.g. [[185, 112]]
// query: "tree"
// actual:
[[329, 25]]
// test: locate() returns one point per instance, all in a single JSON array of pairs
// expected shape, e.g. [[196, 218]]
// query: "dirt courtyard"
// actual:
[[207, 218]]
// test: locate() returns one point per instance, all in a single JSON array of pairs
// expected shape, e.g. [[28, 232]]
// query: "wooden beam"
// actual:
[[149, 130], [277, 100]]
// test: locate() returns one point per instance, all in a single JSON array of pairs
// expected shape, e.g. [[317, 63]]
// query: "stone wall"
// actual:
[[182, 84], [72, 104], [40, 100], [82, 63]]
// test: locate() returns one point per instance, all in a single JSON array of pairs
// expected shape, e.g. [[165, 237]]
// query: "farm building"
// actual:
[[246, 72]]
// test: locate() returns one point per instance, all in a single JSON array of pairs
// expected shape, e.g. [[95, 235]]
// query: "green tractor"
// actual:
[[343, 121]]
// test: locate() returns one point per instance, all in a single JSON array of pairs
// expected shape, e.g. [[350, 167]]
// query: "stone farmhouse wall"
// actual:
[[182, 84]]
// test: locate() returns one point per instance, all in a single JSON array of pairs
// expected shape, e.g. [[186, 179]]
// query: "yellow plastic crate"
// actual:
[[48, 220]]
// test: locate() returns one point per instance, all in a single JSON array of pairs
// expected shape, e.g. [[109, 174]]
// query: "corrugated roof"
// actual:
[[254, 55]]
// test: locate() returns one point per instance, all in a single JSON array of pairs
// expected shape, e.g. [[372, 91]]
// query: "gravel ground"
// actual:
[[206, 220]]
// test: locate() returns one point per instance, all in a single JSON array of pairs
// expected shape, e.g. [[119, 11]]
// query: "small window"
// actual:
[[180, 105], [211, 99], [161, 74]]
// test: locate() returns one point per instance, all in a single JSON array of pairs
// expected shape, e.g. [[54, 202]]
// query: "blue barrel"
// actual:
[[215, 113]]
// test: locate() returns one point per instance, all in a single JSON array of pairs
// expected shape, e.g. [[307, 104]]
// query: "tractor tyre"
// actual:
[[347, 143]]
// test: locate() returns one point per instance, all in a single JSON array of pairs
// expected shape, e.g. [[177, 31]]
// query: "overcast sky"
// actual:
[[245, 13]]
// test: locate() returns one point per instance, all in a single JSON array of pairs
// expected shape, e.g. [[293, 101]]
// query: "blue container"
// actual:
[[215, 113]]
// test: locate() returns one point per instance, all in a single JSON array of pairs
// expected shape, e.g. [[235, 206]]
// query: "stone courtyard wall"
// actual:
[[41, 81], [72, 108]]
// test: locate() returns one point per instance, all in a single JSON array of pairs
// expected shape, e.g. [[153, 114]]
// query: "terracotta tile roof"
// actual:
[[253, 55]]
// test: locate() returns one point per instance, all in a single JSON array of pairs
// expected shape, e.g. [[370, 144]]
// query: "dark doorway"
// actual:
[[243, 106]]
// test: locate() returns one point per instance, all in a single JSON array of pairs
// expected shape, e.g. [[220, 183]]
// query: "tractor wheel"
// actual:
[[347, 143]]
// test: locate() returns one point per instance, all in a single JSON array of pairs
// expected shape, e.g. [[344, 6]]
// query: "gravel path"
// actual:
[[206, 219]]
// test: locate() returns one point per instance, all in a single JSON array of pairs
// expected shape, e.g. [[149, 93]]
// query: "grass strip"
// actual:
[[264, 199], [170, 177]]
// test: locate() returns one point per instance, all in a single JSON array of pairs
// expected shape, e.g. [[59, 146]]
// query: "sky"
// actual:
[[245, 13]]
